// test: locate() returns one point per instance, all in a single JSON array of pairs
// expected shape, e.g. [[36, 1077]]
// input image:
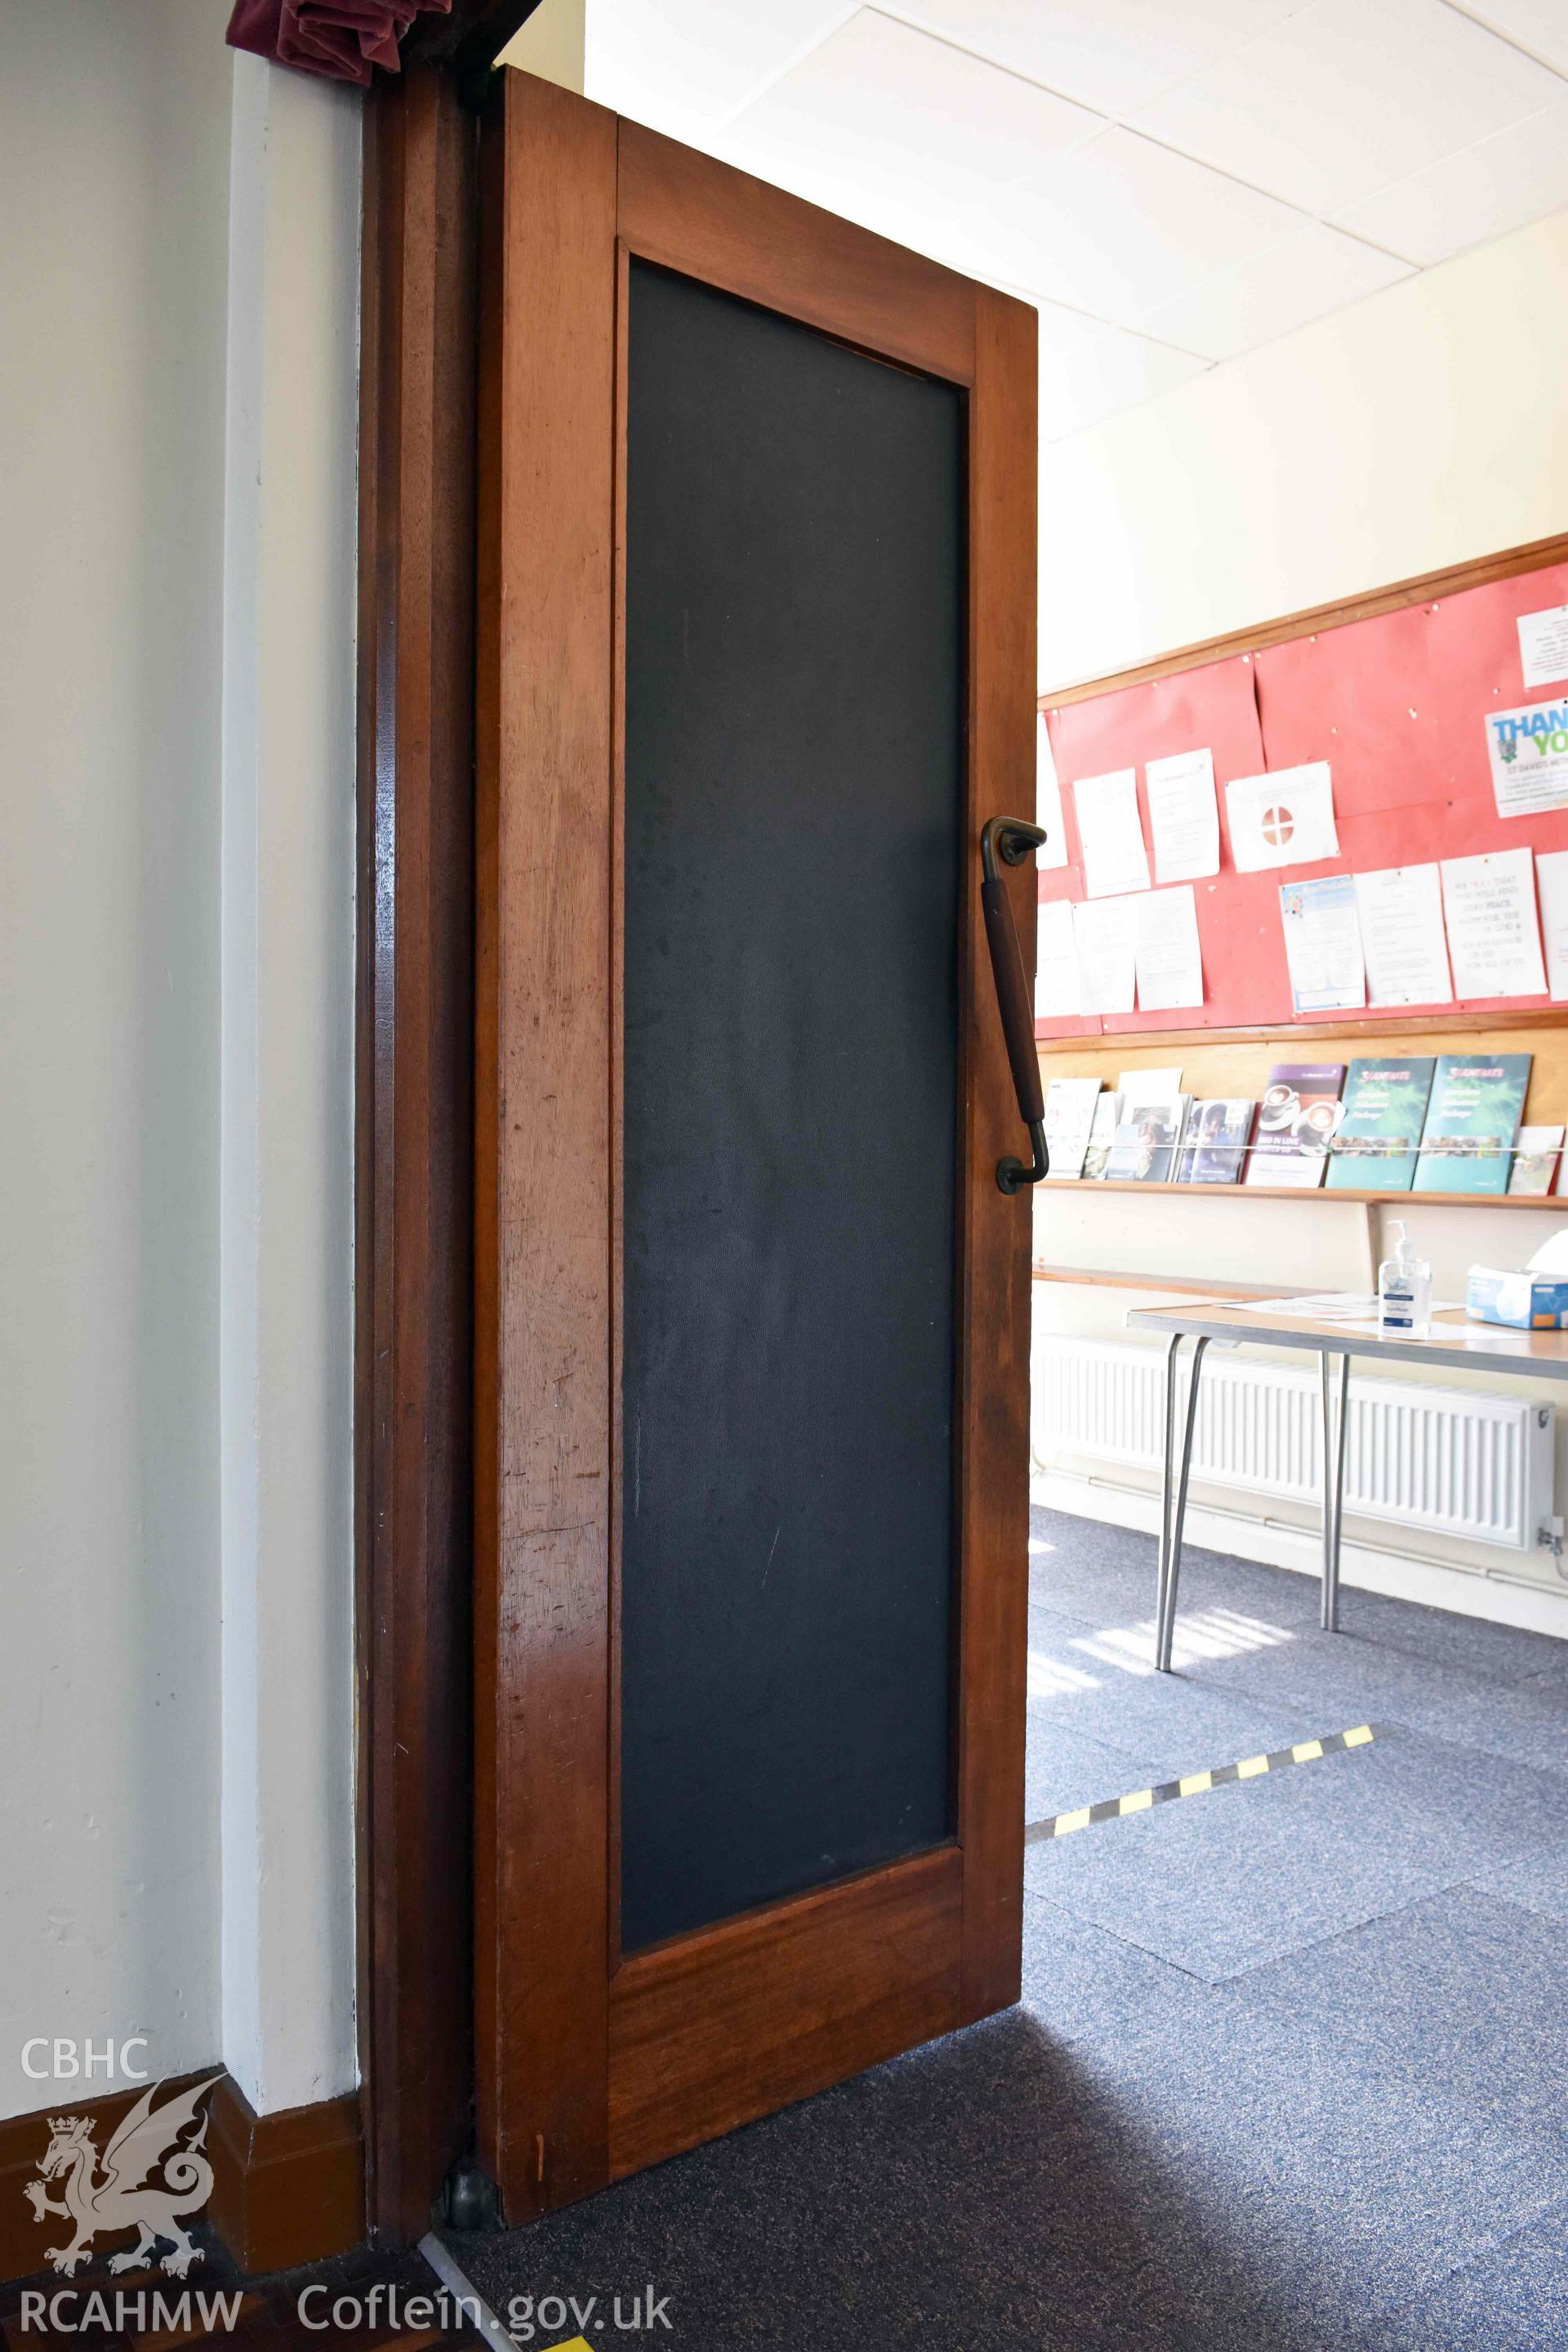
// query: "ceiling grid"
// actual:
[[1174, 183]]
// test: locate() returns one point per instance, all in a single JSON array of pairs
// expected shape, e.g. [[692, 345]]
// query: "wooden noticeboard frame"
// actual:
[[1537, 555]]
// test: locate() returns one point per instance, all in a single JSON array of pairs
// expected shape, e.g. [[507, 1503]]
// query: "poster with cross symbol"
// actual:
[[1283, 819]]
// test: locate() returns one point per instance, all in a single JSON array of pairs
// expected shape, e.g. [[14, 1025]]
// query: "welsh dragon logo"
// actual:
[[128, 2195]]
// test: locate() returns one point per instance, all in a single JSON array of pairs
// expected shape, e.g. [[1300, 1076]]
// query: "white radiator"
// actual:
[[1456, 1461]]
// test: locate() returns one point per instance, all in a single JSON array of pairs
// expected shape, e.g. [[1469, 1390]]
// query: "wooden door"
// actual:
[[756, 662]]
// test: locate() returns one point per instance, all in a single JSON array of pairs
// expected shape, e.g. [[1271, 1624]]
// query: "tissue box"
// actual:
[[1531, 1302]]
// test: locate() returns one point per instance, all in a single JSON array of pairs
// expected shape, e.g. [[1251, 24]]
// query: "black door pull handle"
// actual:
[[1009, 838]]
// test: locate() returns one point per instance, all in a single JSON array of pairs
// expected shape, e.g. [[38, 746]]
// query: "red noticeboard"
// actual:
[[1396, 705]]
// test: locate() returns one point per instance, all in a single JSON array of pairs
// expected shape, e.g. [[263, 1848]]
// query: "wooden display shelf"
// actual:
[[1323, 1028], [1183, 1286], [1558, 1201]]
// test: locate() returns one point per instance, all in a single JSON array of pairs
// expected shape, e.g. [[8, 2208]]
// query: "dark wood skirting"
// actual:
[[287, 2187], [23, 2139]]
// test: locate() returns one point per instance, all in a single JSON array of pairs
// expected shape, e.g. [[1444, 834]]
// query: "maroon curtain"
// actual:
[[341, 38]]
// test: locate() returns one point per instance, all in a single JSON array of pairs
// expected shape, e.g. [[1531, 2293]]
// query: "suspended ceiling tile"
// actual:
[[922, 219], [1310, 273], [1116, 55], [1124, 225], [687, 62], [1089, 372], [1350, 95], [1517, 176], [1539, 25], [894, 109]]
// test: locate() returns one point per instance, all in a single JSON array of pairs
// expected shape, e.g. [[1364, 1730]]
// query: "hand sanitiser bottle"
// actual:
[[1403, 1290]]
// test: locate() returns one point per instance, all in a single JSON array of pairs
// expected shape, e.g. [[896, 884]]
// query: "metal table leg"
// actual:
[[1165, 1622], [1336, 1422], [1167, 1488]]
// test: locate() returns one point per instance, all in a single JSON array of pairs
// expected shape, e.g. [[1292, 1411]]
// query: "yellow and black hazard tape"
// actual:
[[1198, 1784]]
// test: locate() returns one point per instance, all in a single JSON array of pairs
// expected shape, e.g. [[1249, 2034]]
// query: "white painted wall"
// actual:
[[114, 195], [287, 1114], [175, 1049], [1419, 428]]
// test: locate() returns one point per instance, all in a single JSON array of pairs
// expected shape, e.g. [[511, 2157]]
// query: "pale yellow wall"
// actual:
[[1420, 428], [551, 44]]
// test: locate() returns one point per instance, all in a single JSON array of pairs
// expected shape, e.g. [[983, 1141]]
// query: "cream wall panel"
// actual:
[[1421, 427]]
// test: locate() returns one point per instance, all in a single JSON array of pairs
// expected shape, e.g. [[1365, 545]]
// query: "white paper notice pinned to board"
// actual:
[[1056, 993], [1322, 944], [1544, 647], [1184, 816], [1106, 954], [1494, 940], [1551, 876], [1402, 938], [1053, 850], [1165, 946], [1114, 860], [1283, 819]]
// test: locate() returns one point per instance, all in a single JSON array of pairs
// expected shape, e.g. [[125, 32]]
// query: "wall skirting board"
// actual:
[[288, 2188], [1366, 1568]]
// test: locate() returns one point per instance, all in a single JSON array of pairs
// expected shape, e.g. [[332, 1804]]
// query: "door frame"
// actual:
[[413, 1143], [797, 1994], [412, 1109]]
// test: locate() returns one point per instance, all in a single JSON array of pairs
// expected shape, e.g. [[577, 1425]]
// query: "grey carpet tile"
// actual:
[[1090, 1686], [1506, 1653], [1537, 1880], [1084, 1985], [1249, 1873], [1513, 2298], [1501, 1653], [1105, 1573], [1104, 1647], [1064, 1769], [1363, 1680], [1479, 1809], [1274, 2192], [1084, 1570], [983, 2193], [1340, 2181], [1465, 1993]]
